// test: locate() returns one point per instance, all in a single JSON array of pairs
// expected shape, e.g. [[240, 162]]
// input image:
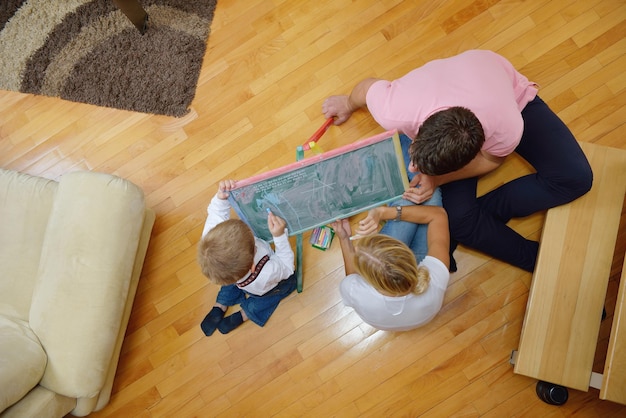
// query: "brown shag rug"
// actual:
[[88, 51]]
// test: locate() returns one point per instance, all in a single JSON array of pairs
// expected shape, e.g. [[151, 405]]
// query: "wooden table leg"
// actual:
[[135, 13]]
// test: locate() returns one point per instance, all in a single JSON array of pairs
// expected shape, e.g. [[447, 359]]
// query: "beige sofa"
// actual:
[[71, 253]]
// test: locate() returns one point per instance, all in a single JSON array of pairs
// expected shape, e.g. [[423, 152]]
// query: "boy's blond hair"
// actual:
[[390, 266], [226, 252]]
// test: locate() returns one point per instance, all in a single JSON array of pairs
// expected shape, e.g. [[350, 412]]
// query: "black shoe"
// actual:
[[452, 264], [453, 244], [210, 322], [230, 323]]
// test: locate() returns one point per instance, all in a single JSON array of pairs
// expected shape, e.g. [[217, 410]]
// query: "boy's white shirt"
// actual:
[[281, 263]]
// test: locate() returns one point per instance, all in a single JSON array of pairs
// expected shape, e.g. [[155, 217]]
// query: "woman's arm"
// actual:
[[438, 235], [343, 232]]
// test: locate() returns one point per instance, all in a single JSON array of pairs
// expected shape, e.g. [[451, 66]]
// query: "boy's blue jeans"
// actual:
[[257, 308], [413, 235]]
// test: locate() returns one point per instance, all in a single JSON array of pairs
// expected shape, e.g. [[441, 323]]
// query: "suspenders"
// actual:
[[255, 273]]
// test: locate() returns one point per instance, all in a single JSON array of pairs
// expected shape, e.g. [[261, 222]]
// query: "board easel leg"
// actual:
[[299, 263], [299, 156]]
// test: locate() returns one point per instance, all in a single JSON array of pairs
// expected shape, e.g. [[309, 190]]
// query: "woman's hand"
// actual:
[[342, 228], [370, 224], [224, 188]]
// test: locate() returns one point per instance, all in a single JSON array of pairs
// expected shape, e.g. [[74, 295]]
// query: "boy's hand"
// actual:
[[276, 224], [224, 188]]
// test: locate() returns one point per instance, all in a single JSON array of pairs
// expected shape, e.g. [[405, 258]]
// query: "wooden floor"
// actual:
[[268, 67]]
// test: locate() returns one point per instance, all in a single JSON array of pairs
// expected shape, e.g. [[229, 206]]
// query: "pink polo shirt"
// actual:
[[482, 81]]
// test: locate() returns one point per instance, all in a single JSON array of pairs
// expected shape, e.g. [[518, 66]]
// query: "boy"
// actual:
[[250, 273]]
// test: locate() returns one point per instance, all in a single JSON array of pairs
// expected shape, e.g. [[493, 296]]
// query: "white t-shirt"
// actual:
[[397, 313]]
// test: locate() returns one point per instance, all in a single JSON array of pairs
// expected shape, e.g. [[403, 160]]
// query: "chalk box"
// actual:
[[322, 237]]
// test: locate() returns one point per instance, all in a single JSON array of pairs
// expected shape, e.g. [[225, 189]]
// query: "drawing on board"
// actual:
[[322, 188]]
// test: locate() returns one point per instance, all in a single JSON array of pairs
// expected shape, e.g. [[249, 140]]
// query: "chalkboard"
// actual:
[[320, 189]]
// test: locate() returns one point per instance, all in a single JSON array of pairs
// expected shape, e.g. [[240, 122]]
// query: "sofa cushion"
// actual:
[[25, 204], [41, 403], [22, 360], [83, 283]]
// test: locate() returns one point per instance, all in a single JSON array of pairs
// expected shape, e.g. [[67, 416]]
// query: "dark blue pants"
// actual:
[[562, 175], [257, 308]]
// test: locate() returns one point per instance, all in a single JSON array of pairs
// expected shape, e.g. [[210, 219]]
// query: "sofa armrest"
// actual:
[[84, 278], [105, 393]]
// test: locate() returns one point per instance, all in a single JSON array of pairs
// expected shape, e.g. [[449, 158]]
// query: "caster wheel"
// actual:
[[551, 394]]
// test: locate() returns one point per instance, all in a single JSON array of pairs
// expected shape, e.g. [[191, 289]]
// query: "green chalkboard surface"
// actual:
[[320, 189]]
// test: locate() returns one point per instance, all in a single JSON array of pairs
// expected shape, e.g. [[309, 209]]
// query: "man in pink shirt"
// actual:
[[465, 114]]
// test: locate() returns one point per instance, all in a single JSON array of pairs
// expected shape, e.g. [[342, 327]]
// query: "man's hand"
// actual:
[[224, 188], [337, 107], [420, 189]]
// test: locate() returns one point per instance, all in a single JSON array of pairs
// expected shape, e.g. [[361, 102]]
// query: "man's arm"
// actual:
[[483, 163], [342, 107], [357, 98], [423, 186]]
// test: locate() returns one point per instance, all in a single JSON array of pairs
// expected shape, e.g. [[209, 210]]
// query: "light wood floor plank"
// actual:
[[268, 67]]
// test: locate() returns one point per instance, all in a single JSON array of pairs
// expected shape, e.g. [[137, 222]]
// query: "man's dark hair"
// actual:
[[446, 141]]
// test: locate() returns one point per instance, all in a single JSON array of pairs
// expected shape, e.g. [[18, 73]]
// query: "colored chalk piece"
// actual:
[[314, 235], [313, 146]]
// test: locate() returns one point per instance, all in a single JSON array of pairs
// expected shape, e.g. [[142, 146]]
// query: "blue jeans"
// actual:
[[412, 234], [562, 175], [257, 308]]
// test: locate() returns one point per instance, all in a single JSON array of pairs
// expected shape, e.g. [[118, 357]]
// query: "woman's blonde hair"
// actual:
[[226, 252], [390, 266]]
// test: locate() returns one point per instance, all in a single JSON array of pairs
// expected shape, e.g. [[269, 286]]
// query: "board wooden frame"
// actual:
[[323, 188]]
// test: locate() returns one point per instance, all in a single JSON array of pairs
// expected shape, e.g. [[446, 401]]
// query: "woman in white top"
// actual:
[[384, 283]]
